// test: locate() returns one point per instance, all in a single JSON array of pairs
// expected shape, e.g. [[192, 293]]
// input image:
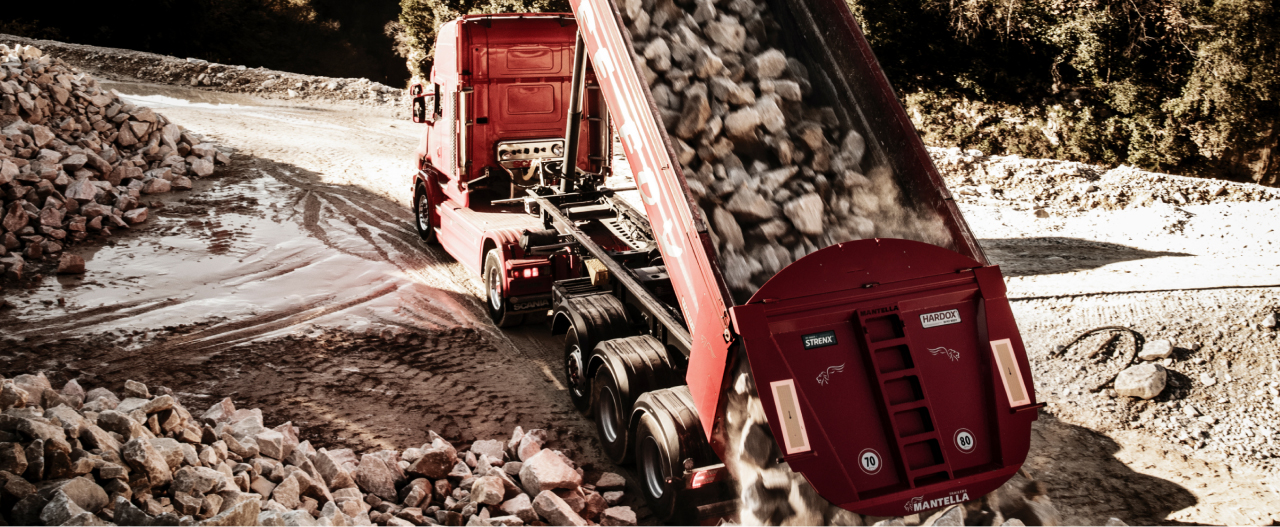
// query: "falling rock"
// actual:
[[555, 511], [375, 478], [618, 516], [952, 516], [741, 125], [548, 471], [767, 65], [748, 205], [727, 227], [806, 214], [1270, 321], [696, 112], [1145, 381], [145, 459], [728, 33]]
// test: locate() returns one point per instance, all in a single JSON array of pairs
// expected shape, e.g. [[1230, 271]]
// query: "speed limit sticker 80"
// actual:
[[964, 440]]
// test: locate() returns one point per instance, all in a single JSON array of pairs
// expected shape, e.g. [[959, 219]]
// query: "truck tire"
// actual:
[[624, 369], [422, 214], [668, 432], [495, 295], [591, 319], [657, 467], [575, 370]]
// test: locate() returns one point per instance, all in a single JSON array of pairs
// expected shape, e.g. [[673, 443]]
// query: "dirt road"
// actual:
[[294, 282]]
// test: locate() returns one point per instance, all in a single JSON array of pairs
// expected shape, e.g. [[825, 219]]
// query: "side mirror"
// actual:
[[423, 105]]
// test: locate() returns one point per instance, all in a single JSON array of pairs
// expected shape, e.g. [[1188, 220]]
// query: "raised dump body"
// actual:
[[890, 372]]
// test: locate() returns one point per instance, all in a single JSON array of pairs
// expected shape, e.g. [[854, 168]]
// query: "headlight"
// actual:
[[557, 149]]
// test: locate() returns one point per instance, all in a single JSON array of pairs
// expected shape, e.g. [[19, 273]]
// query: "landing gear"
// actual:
[[494, 292]]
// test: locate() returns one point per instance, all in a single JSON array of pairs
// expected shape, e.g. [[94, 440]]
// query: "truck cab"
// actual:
[[496, 115]]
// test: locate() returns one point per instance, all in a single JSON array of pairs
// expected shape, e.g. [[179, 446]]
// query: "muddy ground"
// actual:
[[293, 281]]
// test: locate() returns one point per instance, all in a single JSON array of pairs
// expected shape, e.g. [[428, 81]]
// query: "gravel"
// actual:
[[147, 460]]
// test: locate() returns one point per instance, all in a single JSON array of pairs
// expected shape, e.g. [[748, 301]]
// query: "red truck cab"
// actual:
[[505, 81]]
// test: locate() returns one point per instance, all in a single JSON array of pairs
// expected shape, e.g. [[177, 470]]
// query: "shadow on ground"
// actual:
[[1055, 255], [1088, 484]]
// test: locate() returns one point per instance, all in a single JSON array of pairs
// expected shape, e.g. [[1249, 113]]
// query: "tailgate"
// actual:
[[892, 374]]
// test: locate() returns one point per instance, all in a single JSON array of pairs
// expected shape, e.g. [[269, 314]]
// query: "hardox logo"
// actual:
[[941, 318]]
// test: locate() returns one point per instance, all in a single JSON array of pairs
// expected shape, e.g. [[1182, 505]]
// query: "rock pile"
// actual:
[[1069, 186], [128, 65], [75, 160], [71, 457], [777, 177]]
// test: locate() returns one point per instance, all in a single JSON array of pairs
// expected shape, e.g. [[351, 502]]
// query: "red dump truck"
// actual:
[[891, 371]]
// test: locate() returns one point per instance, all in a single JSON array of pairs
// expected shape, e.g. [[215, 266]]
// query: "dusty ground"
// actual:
[[294, 282]]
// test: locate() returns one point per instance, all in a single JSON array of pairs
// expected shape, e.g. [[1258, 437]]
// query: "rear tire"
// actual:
[[611, 418], [656, 467], [575, 370], [495, 294], [422, 215]]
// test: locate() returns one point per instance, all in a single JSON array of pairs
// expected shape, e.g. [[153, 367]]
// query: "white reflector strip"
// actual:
[[794, 437], [1010, 374]]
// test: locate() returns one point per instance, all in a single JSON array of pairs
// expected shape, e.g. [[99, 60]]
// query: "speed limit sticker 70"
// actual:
[[869, 459], [964, 440]]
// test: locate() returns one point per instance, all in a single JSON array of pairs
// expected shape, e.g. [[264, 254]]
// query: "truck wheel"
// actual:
[[656, 465], [496, 298], [422, 215], [575, 370], [611, 417]]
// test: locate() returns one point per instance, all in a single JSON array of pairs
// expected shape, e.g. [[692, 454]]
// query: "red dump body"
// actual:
[[885, 412]]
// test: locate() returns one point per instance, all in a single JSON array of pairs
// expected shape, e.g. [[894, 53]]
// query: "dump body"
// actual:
[[912, 431]]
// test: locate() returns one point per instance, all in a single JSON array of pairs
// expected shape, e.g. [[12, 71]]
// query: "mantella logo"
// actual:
[[918, 503]]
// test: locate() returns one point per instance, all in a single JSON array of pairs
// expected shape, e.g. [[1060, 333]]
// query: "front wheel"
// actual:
[[495, 292], [422, 215]]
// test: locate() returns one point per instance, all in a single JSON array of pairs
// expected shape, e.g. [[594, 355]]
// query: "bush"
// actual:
[[1187, 86]]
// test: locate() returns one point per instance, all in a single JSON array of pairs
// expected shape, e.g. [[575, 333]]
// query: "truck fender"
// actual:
[[638, 364], [507, 241], [597, 318], [674, 410]]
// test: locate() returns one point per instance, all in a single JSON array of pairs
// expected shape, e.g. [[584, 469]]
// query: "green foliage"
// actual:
[[420, 19], [1189, 86]]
